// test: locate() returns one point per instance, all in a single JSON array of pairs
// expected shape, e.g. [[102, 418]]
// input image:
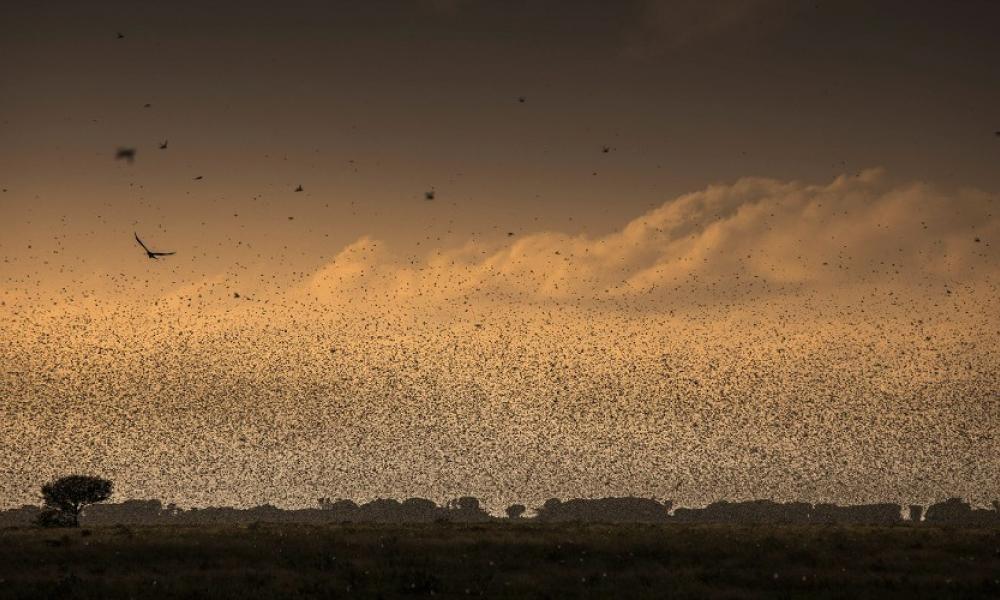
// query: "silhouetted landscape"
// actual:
[[953, 512], [615, 547], [580, 547], [499, 298]]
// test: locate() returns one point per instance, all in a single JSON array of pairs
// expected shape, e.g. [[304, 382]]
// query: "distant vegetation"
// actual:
[[514, 511], [73, 500], [607, 547]]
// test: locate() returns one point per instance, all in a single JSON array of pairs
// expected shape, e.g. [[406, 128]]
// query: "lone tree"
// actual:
[[66, 497]]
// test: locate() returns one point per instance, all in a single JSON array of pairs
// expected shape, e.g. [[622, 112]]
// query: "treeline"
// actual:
[[953, 512]]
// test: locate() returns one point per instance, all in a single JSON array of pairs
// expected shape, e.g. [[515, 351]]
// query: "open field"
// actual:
[[500, 560]]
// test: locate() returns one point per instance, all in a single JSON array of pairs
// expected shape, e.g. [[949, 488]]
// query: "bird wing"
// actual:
[[140, 242], [161, 253]]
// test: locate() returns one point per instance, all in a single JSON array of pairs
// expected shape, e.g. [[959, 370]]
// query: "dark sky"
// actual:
[[424, 94], [369, 104], [817, 178]]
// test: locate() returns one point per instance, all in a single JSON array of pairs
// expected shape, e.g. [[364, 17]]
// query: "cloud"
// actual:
[[859, 242], [750, 240]]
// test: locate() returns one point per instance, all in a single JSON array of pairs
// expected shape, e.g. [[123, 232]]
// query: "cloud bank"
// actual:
[[753, 240]]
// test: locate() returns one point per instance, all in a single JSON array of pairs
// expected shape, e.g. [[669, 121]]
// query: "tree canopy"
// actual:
[[66, 497]]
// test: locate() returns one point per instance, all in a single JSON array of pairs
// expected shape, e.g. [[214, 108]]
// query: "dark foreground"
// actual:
[[500, 560]]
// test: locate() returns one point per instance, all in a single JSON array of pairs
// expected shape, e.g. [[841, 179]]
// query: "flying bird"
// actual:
[[127, 154], [521, 99], [147, 105], [163, 146], [199, 177], [121, 35], [149, 252], [605, 149], [299, 189], [429, 195]]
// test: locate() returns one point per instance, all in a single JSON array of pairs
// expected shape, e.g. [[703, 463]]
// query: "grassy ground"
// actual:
[[500, 560]]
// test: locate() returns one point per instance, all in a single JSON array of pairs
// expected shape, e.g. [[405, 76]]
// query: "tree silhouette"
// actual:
[[465, 503], [67, 496], [514, 511]]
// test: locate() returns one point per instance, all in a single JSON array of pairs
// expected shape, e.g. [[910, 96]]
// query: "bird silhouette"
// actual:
[[163, 146], [521, 99], [298, 189], [150, 253], [605, 149], [429, 195], [199, 177], [121, 35], [127, 154]]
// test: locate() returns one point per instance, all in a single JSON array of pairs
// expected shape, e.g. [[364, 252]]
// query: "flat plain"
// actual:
[[501, 559]]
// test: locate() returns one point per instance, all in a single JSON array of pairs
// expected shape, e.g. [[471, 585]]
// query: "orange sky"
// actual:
[[790, 245]]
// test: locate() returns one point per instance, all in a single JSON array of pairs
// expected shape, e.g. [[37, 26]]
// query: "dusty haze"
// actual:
[[728, 252]]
